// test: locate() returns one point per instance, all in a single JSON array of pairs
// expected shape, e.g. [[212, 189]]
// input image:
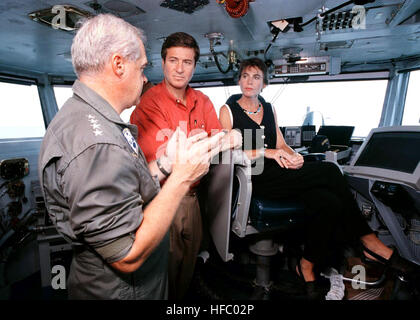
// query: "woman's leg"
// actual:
[[277, 183], [309, 184], [372, 242], [307, 268], [324, 215]]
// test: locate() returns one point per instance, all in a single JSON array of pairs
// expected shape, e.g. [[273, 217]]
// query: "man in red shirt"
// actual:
[[162, 109]]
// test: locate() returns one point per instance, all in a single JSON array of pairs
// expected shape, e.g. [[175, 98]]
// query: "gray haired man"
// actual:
[[99, 190]]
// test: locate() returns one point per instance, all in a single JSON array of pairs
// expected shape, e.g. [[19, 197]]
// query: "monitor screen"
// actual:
[[308, 133], [337, 135], [398, 151], [389, 154], [292, 136]]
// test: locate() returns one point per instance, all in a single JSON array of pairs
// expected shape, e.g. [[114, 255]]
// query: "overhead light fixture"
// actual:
[[184, 6], [120, 8], [284, 25], [63, 17]]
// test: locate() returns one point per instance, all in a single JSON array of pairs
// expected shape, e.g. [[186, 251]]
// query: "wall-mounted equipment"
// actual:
[[307, 66], [231, 56], [326, 20], [336, 21]]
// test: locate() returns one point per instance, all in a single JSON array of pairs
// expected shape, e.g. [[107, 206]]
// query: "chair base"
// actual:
[[265, 247], [264, 250]]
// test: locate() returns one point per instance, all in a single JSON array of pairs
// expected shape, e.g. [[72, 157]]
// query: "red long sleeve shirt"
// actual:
[[159, 113]]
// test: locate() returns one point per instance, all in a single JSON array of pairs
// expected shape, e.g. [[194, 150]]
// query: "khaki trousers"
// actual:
[[185, 240]]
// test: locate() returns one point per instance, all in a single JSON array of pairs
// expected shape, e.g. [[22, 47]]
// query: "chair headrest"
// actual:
[[320, 143]]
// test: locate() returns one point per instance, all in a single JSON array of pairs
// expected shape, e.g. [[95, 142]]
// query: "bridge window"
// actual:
[[62, 93], [219, 95], [411, 114], [21, 113], [349, 103]]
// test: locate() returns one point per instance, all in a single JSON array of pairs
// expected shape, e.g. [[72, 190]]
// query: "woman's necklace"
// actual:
[[253, 112]]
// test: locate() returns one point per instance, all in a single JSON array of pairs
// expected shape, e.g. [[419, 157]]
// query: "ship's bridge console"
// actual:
[[385, 178], [334, 141]]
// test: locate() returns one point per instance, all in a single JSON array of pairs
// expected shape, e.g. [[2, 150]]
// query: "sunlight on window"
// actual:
[[125, 115], [62, 93], [21, 115], [411, 114], [219, 95], [347, 103], [344, 103]]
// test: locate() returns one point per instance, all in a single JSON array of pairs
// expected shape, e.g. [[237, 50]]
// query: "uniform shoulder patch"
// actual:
[[130, 139]]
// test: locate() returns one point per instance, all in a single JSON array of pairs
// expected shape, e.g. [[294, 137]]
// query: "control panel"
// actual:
[[301, 68], [11, 169]]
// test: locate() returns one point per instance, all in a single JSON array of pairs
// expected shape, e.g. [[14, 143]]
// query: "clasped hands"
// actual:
[[284, 159]]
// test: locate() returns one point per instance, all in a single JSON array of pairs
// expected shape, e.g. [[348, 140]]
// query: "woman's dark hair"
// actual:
[[256, 63], [180, 39]]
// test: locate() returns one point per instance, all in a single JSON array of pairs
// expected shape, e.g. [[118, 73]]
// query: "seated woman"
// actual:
[[320, 185]]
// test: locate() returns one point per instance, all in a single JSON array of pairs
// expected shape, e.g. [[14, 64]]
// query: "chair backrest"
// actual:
[[219, 203], [241, 226]]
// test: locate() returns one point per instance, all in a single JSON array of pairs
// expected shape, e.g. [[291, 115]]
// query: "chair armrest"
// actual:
[[240, 222], [240, 158], [312, 157]]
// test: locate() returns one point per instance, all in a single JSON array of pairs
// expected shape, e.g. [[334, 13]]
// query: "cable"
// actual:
[[269, 45], [216, 60], [280, 91], [4, 183], [6, 236]]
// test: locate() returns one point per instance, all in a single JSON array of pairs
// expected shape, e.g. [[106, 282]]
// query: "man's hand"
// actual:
[[169, 156], [232, 140], [193, 155]]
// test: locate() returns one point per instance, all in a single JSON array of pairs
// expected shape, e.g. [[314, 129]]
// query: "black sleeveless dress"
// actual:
[[256, 136], [319, 185]]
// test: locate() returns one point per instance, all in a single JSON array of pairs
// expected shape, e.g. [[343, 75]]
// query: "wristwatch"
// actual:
[[161, 168]]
